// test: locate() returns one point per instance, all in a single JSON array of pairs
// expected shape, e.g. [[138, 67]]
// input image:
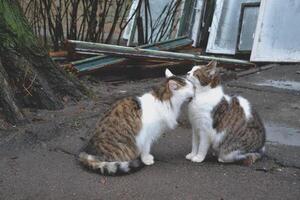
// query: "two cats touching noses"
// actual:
[[227, 126]]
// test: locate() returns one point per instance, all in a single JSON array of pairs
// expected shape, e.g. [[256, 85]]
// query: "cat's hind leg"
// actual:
[[195, 145], [234, 156], [231, 156], [252, 158]]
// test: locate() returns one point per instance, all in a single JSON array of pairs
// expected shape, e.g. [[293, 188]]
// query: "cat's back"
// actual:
[[115, 132], [124, 114], [239, 124], [238, 118], [232, 110]]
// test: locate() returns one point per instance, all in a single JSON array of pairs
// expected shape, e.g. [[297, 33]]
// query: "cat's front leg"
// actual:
[[146, 157], [195, 145], [203, 147]]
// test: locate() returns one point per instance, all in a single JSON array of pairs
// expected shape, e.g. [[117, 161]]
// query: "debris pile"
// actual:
[[84, 58]]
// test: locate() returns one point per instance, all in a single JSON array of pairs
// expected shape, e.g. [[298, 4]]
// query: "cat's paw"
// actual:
[[148, 159], [198, 158], [189, 156]]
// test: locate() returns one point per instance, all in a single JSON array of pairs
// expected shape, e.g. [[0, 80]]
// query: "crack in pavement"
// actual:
[[281, 163], [58, 149], [249, 86]]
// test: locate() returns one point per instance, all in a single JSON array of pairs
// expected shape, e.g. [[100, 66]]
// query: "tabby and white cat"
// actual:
[[227, 125], [123, 137]]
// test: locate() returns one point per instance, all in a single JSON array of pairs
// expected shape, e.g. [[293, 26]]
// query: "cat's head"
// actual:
[[174, 87], [205, 76]]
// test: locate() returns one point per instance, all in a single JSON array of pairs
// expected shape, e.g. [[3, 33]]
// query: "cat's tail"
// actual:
[[110, 168]]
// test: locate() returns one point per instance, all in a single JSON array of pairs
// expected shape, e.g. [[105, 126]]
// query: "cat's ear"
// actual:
[[212, 67], [212, 64], [168, 73], [173, 85]]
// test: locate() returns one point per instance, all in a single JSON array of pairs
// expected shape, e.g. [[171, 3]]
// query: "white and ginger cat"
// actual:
[[227, 125], [122, 139]]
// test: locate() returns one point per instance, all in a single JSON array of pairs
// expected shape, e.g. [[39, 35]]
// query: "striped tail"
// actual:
[[110, 168]]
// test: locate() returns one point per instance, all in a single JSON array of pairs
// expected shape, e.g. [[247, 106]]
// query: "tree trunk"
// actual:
[[28, 77]]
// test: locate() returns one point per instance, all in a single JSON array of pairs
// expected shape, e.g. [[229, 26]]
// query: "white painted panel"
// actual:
[[277, 36], [196, 28], [156, 7], [224, 29], [248, 28], [193, 11], [128, 28]]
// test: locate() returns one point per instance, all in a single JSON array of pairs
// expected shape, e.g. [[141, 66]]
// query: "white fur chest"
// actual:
[[199, 114], [157, 117], [202, 105], [158, 113]]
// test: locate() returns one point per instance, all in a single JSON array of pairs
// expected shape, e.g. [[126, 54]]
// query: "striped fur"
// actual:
[[122, 139], [109, 168], [227, 125], [163, 92], [245, 135], [112, 149]]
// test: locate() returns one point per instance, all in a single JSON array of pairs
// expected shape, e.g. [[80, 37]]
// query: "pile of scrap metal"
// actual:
[[250, 28], [231, 28], [86, 57], [246, 27], [97, 56], [98, 62]]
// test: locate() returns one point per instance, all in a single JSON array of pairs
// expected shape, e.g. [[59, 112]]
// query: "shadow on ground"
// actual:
[[38, 161]]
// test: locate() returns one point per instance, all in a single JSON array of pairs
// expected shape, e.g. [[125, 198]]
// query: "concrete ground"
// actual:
[[37, 160]]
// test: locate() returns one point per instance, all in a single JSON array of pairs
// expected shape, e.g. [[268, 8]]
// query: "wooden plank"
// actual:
[[58, 53]]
